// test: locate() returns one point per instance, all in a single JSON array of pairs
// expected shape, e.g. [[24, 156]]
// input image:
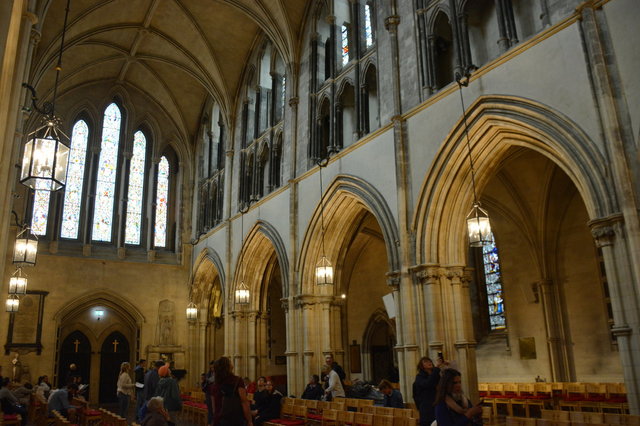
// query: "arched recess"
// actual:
[[344, 200], [207, 292], [378, 342], [497, 123], [262, 265], [119, 315]]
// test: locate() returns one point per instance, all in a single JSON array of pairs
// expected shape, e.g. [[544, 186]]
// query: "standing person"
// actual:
[[151, 380], [45, 386], [229, 397], [328, 359], [169, 391], [424, 389], [453, 408], [206, 388], [313, 389], [334, 386], [156, 414], [392, 397], [138, 373], [125, 389]]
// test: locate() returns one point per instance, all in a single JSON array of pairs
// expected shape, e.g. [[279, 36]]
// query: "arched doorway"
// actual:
[[75, 349], [113, 352], [378, 342]]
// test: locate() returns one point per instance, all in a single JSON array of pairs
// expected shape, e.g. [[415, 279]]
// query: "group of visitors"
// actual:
[[156, 391], [437, 392]]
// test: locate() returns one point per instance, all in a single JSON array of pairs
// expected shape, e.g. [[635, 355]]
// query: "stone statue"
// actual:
[[165, 335], [16, 369]]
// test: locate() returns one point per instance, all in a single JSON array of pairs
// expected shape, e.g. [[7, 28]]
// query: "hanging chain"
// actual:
[[464, 81]]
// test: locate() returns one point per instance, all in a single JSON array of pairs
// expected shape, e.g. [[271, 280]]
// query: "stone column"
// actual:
[[429, 277], [610, 235], [252, 343], [556, 340]]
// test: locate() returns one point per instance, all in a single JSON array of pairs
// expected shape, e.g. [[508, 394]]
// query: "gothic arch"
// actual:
[[344, 201], [496, 123], [260, 243], [207, 266], [127, 310]]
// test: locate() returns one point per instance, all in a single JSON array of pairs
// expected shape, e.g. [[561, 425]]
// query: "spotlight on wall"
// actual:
[[99, 313]]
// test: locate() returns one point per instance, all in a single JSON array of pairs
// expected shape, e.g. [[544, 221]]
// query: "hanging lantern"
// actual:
[[13, 303], [324, 272], [46, 156], [26, 248], [18, 283], [242, 294], [192, 312], [478, 226]]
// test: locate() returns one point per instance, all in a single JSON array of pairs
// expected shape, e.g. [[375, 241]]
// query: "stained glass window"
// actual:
[[162, 196], [368, 29], [75, 177], [493, 281], [136, 190], [345, 45], [107, 167], [40, 211]]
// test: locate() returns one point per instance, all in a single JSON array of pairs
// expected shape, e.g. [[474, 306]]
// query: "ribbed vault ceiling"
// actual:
[[177, 52]]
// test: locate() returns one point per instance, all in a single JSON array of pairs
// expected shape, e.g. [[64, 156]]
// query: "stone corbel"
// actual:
[[604, 229], [391, 23], [285, 305], [293, 102], [455, 274], [393, 279]]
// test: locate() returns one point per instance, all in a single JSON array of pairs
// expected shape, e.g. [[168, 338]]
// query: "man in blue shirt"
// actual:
[[392, 397], [60, 400]]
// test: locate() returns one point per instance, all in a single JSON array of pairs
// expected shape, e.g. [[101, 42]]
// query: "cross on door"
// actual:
[[76, 343], [115, 344]]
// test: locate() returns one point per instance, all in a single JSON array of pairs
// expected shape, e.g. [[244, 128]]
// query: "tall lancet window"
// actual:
[[136, 189], [368, 29], [162, 198], [493, 281], [345, 44], [107, 173], [40, 211], [75, 179]]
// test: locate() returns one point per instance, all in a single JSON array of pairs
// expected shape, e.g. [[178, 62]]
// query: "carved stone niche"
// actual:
[[166, 347]]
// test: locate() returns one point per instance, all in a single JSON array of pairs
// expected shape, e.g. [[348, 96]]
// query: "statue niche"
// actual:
[[165, 331]]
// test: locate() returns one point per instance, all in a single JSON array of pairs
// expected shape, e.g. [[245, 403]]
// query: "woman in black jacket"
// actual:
[[424, 389], [314, 389], [270, 408]]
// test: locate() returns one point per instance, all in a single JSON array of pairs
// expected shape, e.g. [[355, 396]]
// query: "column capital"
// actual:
[[294, 101], [427, 274], [285, 305], [604, 229]]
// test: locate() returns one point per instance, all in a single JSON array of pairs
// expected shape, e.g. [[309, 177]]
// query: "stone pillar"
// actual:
[[429, 277], [610, 235], [556, 339], [251, 319]]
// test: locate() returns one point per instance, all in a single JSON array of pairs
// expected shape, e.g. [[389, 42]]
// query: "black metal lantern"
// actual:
[[46, 157], [13, 303], [26, 248], [192, 312]]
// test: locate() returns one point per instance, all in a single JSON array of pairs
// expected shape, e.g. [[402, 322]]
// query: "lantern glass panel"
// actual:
[[17, 285], [13, 303]]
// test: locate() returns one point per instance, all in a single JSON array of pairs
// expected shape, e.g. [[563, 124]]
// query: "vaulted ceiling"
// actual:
[[176, 52]]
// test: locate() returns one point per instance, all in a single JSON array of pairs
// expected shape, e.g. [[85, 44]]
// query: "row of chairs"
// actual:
[[10, 419], [575, 418], [598, 397], [297, 415]]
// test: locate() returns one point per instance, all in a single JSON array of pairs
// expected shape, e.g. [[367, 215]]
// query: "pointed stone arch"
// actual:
[[207, 267], [346, 199], [497, 123]]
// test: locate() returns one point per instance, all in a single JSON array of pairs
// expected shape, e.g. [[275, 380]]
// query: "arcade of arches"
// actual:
[[215, 133]]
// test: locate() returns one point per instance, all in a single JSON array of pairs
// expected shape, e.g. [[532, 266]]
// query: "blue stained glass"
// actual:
[[75, 178], [368, 29], [162, 206], [345, 45], [493, 284], [136, 189], [107, 167]]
